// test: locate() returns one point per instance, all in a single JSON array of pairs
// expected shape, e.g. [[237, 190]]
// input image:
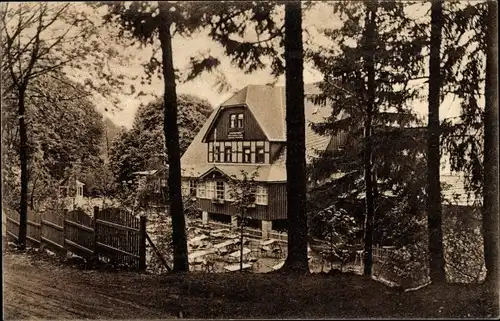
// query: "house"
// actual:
[[248, 132], [70, 192]]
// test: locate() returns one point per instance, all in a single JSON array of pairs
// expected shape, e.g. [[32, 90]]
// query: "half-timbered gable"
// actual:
[[248, 132]]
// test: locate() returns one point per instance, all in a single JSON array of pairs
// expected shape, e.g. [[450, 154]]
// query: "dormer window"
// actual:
[[240, 121], [232, 119], [236, 120]]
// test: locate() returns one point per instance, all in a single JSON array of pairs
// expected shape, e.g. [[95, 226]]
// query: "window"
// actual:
[[219, 190], [216, 154], [79, 191], [210, 189], [259, 158], [227, 155], [232, 119], [246, 155], [185, 187], [192, 188], [240, 120], [200, 191], [261, 195]]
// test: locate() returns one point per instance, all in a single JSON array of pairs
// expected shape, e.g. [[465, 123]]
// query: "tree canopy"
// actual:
[[143, 146]]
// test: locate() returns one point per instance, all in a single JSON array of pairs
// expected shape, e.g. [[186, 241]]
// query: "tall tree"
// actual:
[[171, 132], [145, 21], [368, 70], [41, 39], [434, 210], [369, 65], [295, 133], [491, 153], [65, 129]]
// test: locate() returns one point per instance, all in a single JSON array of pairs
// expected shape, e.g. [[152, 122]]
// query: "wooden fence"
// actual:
[[121, 237], [113, 234]]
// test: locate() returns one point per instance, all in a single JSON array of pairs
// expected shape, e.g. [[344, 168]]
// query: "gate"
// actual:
[[121, 237]]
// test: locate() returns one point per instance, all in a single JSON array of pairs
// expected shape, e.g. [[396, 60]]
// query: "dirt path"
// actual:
[[43, 290], [36, 287]]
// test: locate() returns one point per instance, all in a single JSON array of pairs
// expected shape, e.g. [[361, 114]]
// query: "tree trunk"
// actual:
[[171, 133], [491, 154], [23, 157], [241, 237], [32, 195], [295, 130], [434, 210], [370, 33]]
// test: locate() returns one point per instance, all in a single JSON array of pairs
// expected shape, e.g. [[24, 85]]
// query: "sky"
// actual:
[[320, 17]]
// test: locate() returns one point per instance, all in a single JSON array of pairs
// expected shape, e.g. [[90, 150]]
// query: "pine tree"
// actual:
[[434, 210], [295, 132], [367, 80], [491, 154]]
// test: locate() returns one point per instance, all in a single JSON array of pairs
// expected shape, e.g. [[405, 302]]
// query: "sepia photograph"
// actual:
[[250, 160]]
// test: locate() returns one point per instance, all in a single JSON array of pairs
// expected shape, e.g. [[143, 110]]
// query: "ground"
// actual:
[[38, 286]]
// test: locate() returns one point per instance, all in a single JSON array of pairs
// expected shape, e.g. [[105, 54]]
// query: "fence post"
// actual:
[[94, 223], [142, 243], [65, 215]]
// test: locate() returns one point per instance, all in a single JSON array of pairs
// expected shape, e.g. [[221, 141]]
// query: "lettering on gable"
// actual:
[[235, 135]]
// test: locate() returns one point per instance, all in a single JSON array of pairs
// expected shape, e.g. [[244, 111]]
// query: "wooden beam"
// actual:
[[79, 226], [13, 221], [118, 226], [34, 224], [32, 239], [78, 246], [55, 226], [110, 248], [46, 240], [12, 234]]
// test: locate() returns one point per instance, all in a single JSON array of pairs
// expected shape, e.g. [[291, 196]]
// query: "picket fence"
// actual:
[[112, 234]]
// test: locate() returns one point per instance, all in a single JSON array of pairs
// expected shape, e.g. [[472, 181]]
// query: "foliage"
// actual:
[[463, 136], [463, 244], [38, 41], [142, 147], [50, 39], [66, 132], [336, 227], [242, 192], [334, 224], [344, 86], [368, 85], [139, 21]]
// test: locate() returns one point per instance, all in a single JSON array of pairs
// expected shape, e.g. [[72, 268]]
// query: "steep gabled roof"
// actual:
[[267, 105]]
